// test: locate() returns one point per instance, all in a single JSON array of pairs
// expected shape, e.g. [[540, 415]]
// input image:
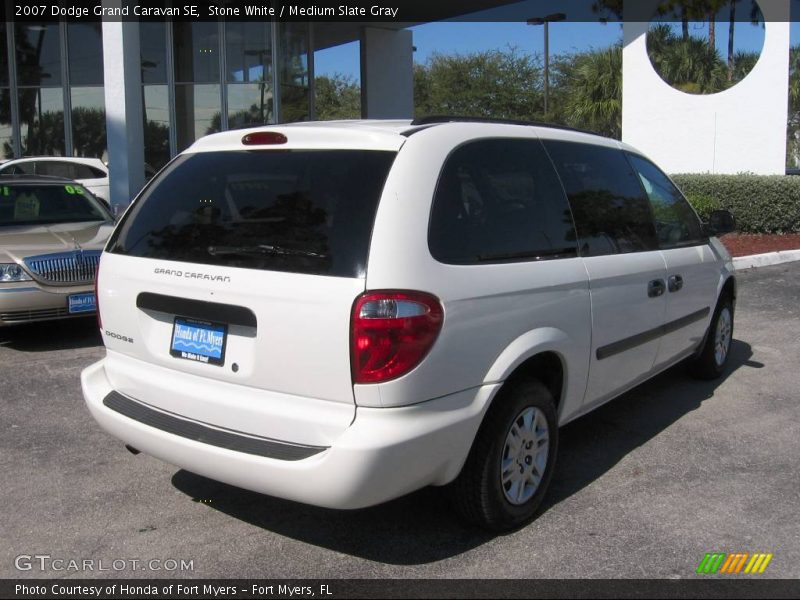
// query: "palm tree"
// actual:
[[689, 65], [731, 31], [755, 18], [659, 40], [794, 79], [697, 68], [686, 11], [743, 63], [793, 125], [697, 10], [591, 83], [710, 9]]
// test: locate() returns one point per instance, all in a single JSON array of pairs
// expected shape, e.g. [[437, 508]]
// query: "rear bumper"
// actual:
[[385, 453], [27, 302]]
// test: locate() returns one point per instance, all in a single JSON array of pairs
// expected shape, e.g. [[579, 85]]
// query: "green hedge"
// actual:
[[760, 203]]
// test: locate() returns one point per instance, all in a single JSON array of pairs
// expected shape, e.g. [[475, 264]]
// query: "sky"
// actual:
[[461, 37], [466, 37]]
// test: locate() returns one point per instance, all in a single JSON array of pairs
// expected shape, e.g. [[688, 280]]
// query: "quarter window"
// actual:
[[612, 214], [20, 169], [87, 172], [499, 200], [676, 222]]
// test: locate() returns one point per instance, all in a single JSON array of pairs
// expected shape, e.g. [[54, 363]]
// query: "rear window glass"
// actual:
[[29, 204], [307, 211], [56, 169]]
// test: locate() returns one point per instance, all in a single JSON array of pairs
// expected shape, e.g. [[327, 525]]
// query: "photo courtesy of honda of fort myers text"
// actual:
[[182, 589]]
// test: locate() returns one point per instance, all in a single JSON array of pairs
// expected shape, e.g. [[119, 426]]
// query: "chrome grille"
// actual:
[[66, 268]]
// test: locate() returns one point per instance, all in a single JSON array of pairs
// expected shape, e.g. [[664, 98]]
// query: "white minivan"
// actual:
[[341, 313]]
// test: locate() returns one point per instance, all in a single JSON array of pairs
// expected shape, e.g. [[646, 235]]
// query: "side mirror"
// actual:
[[720, 222]]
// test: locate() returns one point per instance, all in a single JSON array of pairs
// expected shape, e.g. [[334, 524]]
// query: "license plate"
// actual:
[[81, 303], [199, 341]]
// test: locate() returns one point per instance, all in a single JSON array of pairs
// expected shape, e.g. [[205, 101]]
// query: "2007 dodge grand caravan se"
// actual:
[[341, 313]]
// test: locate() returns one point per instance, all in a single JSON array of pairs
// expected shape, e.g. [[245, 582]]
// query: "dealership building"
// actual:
[[115, 88], [136, 92]]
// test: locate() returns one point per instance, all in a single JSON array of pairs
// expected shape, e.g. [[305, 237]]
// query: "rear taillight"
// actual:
[[392, 331], [97, 297]]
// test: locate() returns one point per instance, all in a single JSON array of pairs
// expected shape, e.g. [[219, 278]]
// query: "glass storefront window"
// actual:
[[85, 53], [248, 56], [193, 107], [248, 52], [153, 48], [249, 104], [336, 95], [41, 112], [38, 53], [6, 132], [197, 108], [156, 129], [196, 52], [294, 72], [88, 122], [3, 61]]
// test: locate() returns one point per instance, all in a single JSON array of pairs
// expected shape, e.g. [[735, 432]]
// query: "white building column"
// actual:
[[742, 129], [387, 74], [123, 96]]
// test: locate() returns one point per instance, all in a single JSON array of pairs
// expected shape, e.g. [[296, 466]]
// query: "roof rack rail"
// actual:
[[438, 119]]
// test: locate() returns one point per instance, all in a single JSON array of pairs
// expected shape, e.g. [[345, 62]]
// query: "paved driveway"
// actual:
[[644, 487]]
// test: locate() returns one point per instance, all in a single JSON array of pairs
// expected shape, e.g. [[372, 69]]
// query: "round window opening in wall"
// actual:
[[705, 46]]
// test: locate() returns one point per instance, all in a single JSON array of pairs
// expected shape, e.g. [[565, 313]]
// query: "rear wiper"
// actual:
[[261, 250], [537, 254]]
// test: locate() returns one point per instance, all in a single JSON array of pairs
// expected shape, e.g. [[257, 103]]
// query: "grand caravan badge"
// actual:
[[192, 275]]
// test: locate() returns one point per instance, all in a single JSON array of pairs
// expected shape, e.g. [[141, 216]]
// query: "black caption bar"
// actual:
[[397, 11], [400, 588]]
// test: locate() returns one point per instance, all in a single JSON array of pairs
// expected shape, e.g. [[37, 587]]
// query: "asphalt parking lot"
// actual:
[[644, 487]]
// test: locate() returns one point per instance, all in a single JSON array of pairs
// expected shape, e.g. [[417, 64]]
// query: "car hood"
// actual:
[[19, 242]]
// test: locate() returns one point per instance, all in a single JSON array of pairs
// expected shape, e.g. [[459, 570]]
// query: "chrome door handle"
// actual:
[[675, 283], [655, 288]]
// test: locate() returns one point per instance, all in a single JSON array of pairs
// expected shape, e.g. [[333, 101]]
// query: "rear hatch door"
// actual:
[[231, 282]]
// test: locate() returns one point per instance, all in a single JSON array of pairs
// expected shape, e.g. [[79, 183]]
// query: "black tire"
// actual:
[[706, 365], [479, 494]]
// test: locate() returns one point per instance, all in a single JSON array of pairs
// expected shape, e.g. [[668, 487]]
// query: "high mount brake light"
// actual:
[[264, 138], [391, 332]]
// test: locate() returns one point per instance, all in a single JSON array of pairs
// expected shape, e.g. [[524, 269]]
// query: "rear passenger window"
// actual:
[[676, 222], [499, 200], [612, 214]]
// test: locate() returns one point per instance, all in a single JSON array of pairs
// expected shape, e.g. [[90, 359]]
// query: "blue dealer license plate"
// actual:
[[199, 341], [82, 303]]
